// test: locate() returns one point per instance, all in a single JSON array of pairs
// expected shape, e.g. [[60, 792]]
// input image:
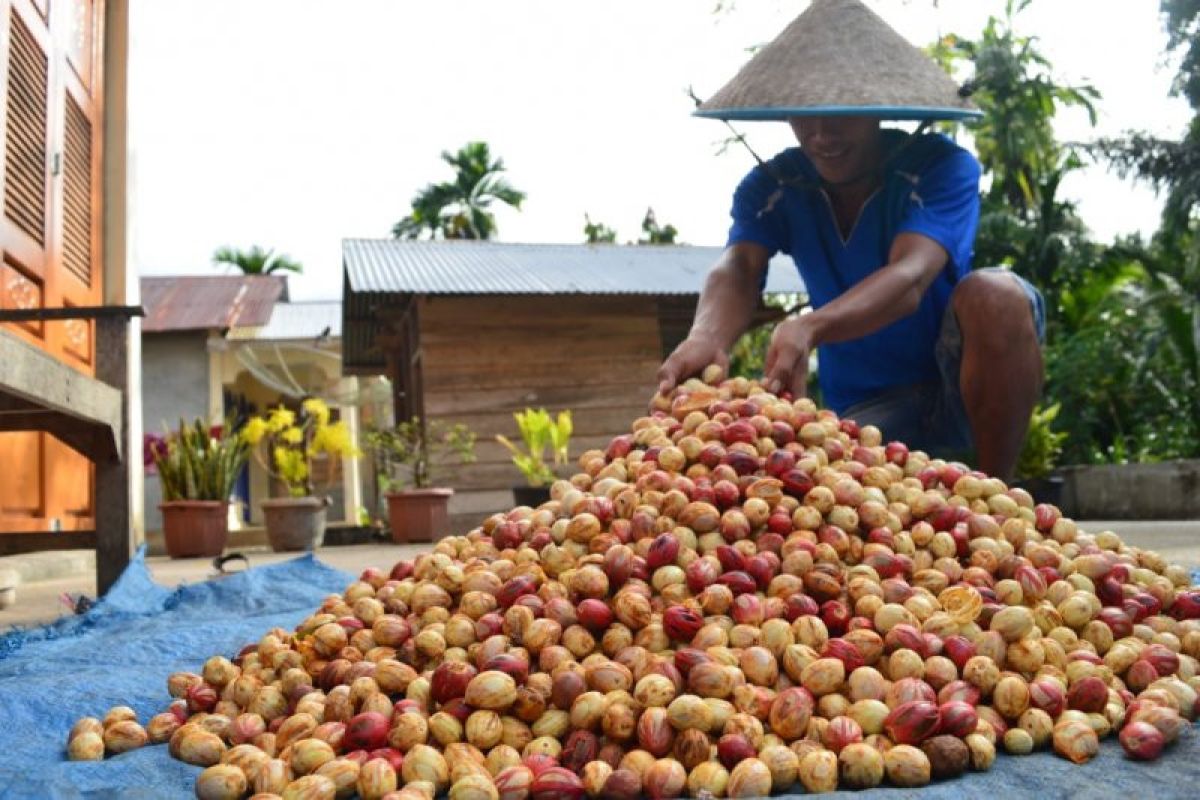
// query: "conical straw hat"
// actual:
[[839, 58]]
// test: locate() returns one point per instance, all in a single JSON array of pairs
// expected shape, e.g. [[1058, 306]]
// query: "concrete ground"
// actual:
[[46, 576], [38, 598]]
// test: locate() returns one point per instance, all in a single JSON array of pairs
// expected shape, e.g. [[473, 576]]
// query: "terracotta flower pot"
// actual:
[[419, 515], [295, 523], [193, 528]]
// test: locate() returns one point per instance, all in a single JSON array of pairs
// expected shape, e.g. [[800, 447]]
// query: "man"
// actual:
[[880, 224]]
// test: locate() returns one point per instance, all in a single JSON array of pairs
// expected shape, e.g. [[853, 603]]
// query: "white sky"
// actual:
[[296, 123]]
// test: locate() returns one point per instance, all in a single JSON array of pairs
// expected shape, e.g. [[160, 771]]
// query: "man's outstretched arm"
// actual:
[[885, 296], [725, 311]]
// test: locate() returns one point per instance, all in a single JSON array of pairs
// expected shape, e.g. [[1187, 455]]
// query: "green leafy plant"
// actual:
[[198, 462], [287, 444], [406, 453], [1043, 445], [656, 233], [539, 431], [598, 232]]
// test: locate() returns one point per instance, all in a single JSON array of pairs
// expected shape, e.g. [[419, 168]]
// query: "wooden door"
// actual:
[[50, 230]]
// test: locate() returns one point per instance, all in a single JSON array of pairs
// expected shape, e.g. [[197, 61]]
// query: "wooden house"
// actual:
[[66, 296], [472, 331]]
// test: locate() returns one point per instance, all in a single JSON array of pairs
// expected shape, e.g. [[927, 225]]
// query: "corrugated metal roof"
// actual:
[[205, 302], [296, 322], [469, 267]]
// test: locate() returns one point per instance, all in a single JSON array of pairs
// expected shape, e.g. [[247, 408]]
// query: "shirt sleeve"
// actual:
[[944, 205], [758, 214]]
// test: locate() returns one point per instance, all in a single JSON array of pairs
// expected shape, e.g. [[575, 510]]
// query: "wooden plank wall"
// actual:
[[486, 357]]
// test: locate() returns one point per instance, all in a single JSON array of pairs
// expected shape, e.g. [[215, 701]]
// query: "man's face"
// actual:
[[843, 149]]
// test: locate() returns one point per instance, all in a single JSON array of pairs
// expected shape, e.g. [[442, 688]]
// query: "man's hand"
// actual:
[[888, 294], [691, 356], [786, 368], [724, 312]]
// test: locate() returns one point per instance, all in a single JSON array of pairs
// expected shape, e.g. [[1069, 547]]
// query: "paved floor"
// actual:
[[38, 596], [38, 601]]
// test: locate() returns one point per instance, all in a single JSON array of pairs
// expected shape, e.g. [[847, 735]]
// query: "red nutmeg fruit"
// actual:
[[912, 722], [367, 731]]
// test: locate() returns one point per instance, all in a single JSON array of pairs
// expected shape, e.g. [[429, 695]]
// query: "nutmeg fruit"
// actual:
[[492, 690], [948, 756], [907, 766], [221, 782], [750, 778], [861, 766]]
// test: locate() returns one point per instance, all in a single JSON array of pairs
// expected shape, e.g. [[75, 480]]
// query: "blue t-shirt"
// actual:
[[931, 187]]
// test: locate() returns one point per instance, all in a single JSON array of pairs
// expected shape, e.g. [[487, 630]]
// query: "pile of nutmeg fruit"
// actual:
[[743, 593]]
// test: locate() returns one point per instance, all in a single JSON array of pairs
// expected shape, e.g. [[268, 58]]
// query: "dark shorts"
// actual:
[[931, 416]]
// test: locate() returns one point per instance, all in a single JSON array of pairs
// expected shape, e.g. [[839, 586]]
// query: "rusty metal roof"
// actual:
[[206, 302], [472, 267], [312, 320]]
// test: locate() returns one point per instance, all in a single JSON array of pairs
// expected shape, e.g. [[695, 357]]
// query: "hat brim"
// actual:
[[882, 112]]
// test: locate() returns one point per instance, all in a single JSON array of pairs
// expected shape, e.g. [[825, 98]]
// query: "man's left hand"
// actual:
[[787, 357]]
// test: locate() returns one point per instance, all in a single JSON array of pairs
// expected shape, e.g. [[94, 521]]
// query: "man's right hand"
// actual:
[[690, 358], [724, 312]]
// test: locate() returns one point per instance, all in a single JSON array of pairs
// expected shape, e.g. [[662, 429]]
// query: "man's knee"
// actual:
[[993, 307]]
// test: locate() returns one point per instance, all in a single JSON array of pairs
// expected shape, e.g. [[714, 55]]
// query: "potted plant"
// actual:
[[538, 431], [405, 456], [1039, 456], [288, 444], [197, 467]]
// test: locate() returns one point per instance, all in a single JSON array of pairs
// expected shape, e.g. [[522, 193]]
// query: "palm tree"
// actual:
[[458, 209], [255, 261]]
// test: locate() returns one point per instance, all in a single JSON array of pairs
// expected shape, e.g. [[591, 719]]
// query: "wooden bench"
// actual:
[[90, 415]]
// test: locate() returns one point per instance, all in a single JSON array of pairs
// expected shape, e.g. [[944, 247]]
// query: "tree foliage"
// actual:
[[1170, 166], [460, 208], [1167, 165], [1123, 324], [255, 261], [653, 233], [1182, 20], [1132, 370], [597, 232], [1128, 373], [1024, 222]]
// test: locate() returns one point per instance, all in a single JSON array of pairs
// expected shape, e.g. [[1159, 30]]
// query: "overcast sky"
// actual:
[[296, 123]]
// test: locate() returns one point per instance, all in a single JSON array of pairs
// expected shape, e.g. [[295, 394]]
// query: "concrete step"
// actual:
[[49, 565]]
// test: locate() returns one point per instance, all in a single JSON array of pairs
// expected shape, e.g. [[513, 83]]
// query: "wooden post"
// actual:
[[114, 532], [352, 493], [400, 342]]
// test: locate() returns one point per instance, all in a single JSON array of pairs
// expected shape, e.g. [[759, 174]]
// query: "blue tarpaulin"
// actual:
[[121, 652]]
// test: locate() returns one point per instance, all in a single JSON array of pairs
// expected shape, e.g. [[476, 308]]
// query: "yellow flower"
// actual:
[[316, 407], [292, 436], [292, 468], [254, 431], [332, 439], [280, 419]]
